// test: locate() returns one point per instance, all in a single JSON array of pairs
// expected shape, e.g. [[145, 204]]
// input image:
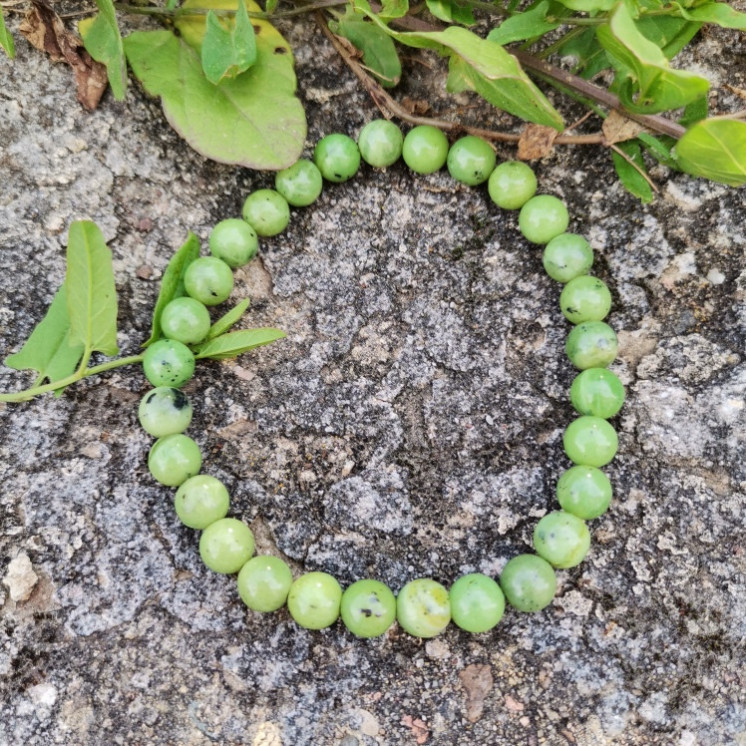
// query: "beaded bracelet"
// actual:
[[423, 607]]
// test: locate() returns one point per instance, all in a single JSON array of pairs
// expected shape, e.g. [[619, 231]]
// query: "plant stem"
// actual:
[[177, 12]]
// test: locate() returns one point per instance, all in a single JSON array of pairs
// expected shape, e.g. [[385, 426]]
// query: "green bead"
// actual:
[[226, 545], [591, 345], [186, 320], [567, 256], [380, 143], [173, 459], [264, 583], [164, 411], [562, 539], [368, 608], [585, 298], [314, 600], [597, 392], [209, 280], [300, 184], [201, 500], [511, 185], [477, 603], [528, 582], [267, 212], [422, 608], [337, 157], [168, 363], [471, 160], [584, 491], [590, 441], [542, 218], [425, 149], [234, 241]]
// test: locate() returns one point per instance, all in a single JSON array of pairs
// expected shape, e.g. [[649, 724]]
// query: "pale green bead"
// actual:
[[425, 149], [471, 160], [264, 583], [314, 600], [168, 363], [380, 143], [186, 320], [567, 256], [173, 459], [208, 280], [337, 156], [584, 491], [164, 411], [590, 441], [266, 211], [422, 608], [300, 184], [511, 185], [368, 608], [528, 582], [201, 500], [562, 539], [226, 545], [542, 218], [591, 345], [585, 298], [234, 241], [597, 392], [477, 603]]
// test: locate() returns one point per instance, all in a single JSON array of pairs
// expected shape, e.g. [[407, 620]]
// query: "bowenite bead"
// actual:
[[264, 583], [584, 491], [168, 363], [567, 256], [542, 218], [201, 500], [585, 298], [234, 241], [173, 459], [477, 603], [380, 143], [597, 392], [590, 441], [528, 582], [226, 545], [337, 156], [164, 411], [425, 149], [266, 211], [314, 600], [511, 185], [562, 539], [209, 280], [300, 184], [471, 160], [368, 608], [186, 320], [591, 345], [423, 608]]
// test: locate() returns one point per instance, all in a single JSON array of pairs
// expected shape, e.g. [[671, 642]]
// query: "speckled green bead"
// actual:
[[567, 256], [234, 241], [186, 320], [173, 459], [168, 363], [471, 160], [542, 218], [368, 608], [209, 280], [477, 603], [226, 545], [337, 156], [585, 298], [314, 600], [264, 583], [380, 143], [511, 185], [562, 539], [164, 411], [425, 149], [528, 582], [301, 184], [201, 500], [266, 211], [584, 491], [590, 441], [423, 608], [592, 344], [597, 392]]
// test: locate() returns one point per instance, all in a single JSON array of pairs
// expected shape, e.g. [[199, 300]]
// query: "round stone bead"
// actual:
[[173, 459], [567, 256], [423, 608], [584, 491], [528, 582], [368, 608], [477, 603], [337, 157], [380, 143], [471, 160], [591, 345], [562, 539], [209, 280], [300, 184], [590, 441], [201, 500], [542, 218], [226, 545], [264, 583], [425, 149], [597, 392], [585, 298], [266, 211], [186, 320], [168, 363], [234, 241], [314, 600], [164, 411], [511, 185]]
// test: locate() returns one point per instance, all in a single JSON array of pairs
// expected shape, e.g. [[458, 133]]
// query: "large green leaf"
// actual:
[[525, 25], [229, 47], [720, 14], [103, 42], [451, 11], [6, 40], [669, 33], [234, 343], [715, 149]]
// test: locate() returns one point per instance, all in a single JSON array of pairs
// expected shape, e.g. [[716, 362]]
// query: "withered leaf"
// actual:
[[536, 142], [618, 128]]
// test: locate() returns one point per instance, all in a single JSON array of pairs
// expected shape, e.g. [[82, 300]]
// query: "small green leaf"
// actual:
[[630, 177], [695, 111], [720, 14], [227, 320], [523, 25], [103, 41], [591, 56], [715, 149], [91, 294], [589, 6], [669, 33], [379, 52], [172, 283], [234, 343], [6, 40], [394, 8], [660, 148], [271, 6], [451, 11], [227, 52]]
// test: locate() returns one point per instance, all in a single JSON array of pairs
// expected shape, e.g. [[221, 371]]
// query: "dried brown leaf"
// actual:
[[477, 681], [416, 107], [617, 128], [536, 142]]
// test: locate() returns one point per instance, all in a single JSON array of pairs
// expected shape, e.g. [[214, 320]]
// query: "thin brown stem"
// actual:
[[631, 162]]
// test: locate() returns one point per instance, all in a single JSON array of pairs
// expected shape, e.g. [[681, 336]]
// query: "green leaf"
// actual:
[[103, 41], [523, 25], [451, 11], [589, 6], [379, 52], [591, 56], [234, 343], [720, 14], [660, 148], [394, 8], [227, 320], [715, 149], [172, 283], [91, 294], [669, 33], [227, 52], [6, 40], [695, 112], [271, 6], [630, 177], [652, 85]]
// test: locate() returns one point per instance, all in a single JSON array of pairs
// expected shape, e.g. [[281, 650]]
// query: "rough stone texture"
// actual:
[[410, 425]]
